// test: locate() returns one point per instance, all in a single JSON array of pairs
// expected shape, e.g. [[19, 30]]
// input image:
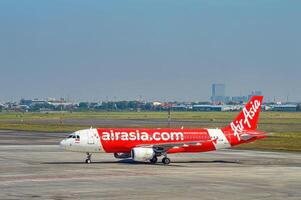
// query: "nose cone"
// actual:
[[63, 144]]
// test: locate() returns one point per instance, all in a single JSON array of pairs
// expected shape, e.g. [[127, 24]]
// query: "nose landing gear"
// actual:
[[88, 160]]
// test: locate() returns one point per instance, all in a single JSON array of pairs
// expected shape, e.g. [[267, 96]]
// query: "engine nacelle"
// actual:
[[142, 154], [122, 155]]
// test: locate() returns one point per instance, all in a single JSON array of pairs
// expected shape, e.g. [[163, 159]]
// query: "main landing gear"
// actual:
[[154, 160], [165, 160], [88, 160]]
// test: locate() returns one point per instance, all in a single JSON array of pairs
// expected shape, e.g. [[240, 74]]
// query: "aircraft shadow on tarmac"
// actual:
[[132, 162]]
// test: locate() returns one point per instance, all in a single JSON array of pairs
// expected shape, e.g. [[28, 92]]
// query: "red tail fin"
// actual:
[[247, 119]]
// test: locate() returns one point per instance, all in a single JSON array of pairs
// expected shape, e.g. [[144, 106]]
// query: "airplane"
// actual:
[[146, 145]]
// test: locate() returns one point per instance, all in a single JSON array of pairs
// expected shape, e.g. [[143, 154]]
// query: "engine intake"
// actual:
[[142, 154]]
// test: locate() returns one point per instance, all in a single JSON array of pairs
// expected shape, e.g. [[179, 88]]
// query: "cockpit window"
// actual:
[[73, 136]]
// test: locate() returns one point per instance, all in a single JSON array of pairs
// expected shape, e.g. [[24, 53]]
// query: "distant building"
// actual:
[[215, 108], [218, 93], [38, 102], [244, 99], [227, 99], [26, 102], [181, 107], [255, 93], [284, 107], [240, 99]]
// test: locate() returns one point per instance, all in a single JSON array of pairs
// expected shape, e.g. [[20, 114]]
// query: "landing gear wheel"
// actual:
[[165, 161], [88, 160], [154, 160]]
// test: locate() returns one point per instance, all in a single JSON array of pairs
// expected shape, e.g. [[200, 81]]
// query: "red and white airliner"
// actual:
[[146, 145]]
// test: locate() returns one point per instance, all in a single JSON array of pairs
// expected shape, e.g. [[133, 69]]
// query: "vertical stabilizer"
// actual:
[[247, 119]]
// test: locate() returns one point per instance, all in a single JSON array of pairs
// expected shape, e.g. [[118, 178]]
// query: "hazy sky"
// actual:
[[161, 50]]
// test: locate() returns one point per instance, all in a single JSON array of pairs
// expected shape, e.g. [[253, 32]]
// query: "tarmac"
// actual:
[[32, 166]]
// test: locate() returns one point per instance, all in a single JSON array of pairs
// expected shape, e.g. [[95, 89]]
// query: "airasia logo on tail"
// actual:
[[246, 121]]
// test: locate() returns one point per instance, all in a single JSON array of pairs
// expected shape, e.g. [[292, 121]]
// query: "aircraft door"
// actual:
[[91, 137]]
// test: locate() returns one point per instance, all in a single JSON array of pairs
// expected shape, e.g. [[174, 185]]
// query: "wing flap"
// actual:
[[170, 145]]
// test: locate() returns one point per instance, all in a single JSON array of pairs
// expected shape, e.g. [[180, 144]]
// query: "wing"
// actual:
[[163, 147]]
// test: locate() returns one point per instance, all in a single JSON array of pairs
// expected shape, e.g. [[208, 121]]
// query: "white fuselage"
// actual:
[[83, 141]]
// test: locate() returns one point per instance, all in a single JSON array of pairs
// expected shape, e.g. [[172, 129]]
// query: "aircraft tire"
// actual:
[[165, 161]]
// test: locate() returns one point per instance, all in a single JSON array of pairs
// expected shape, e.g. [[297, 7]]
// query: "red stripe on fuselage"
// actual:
[[123, 140]]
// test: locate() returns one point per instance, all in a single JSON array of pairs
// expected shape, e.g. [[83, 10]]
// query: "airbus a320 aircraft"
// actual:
[[146, 145]]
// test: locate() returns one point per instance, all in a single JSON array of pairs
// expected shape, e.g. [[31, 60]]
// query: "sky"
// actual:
[[163, 50]]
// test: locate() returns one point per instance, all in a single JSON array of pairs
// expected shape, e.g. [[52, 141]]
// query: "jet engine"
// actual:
[[122, 155], [142, 154]]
